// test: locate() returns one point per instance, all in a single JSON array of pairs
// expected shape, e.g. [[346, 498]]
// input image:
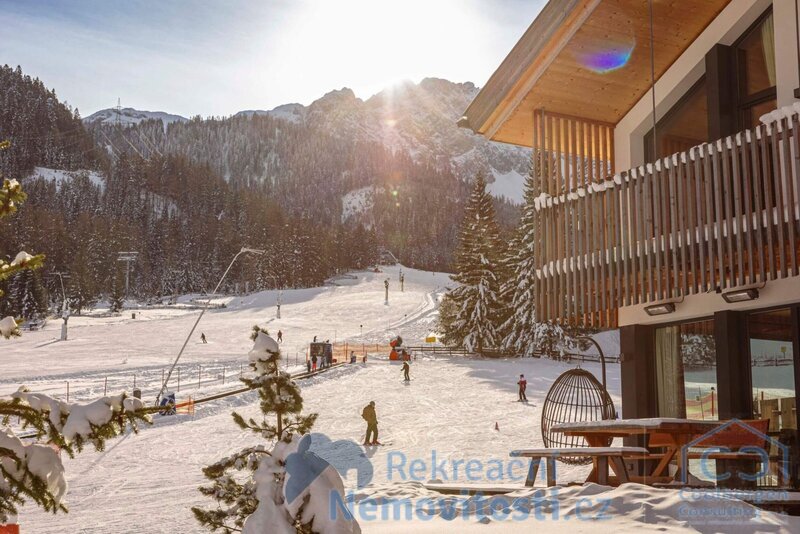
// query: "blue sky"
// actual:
[[217, 57]]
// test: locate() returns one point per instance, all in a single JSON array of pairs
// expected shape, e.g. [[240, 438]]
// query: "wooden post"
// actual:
[[162, 378], [105, 386]]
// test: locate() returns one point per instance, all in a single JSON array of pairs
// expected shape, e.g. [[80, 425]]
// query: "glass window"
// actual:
[[686, 371], [757, 58], [685, 126], [752, 114], [772, 363], [756, 71]]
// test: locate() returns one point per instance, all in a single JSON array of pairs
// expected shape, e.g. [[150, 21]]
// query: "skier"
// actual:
[[406, 369], [308, 365], [314, 362], [352, 356], [523, 384], [203, 337], [369, 415], [280, 336]]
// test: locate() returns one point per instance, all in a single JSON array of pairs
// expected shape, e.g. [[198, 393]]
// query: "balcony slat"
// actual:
[[747, 220], [787, 206], [776, 214]]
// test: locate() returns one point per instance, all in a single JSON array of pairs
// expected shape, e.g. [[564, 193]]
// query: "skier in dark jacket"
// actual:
[[203, 337], [314, 362], [369, 415], [523, 385], [406, 369], [280, 336], [308, 365]]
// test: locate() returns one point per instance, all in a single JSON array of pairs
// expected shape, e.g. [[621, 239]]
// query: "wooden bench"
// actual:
[[601, 457]]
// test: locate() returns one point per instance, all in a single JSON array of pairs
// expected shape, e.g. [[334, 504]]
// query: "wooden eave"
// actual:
[[548, 68]]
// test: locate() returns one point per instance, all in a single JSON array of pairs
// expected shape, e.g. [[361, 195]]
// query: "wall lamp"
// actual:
[[740, 295], [660, 309]]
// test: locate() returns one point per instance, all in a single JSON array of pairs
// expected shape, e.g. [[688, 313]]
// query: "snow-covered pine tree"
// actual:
[[11, 196], [470, 319], [250, 486], [519, 330], [34, 470], [27, 294]]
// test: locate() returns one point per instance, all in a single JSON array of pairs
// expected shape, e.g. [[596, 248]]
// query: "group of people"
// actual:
[[320, 361]]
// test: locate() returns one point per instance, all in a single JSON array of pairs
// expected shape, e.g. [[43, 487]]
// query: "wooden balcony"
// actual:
[[720, 215]]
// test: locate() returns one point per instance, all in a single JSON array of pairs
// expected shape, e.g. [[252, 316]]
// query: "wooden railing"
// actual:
[[720, 215]]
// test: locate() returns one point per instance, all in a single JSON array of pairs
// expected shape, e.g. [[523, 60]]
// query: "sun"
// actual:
[[373, 44]]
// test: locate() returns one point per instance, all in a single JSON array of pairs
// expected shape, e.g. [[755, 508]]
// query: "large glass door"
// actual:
[[686, 370], [772, 363], [771, 339]]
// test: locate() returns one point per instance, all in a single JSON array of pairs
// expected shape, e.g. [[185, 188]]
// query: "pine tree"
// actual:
[[249, 485], [34, 470], [472, 318], [11, 196], [27, 295], [519, 328]]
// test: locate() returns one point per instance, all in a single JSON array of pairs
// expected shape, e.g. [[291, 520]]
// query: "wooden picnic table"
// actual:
[[676, 434]]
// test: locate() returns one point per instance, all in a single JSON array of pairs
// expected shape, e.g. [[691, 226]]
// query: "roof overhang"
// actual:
[[585, 58]]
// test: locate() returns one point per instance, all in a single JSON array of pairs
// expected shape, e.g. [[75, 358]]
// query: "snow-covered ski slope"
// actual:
[[147, 482]]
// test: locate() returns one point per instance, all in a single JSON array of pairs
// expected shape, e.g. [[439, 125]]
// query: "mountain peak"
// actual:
[[129, 116]]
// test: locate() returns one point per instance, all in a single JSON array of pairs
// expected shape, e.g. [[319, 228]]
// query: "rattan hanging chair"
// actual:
[[575, 396]]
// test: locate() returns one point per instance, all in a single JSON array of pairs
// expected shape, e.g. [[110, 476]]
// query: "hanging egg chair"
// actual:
[[575, 396]]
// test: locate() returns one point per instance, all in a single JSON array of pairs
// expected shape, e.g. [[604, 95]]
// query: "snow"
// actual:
[[130, 116], [510, 185], [21, 259], [358, 201], [147, 482], [7, 326], [59, 176], [649, 422]]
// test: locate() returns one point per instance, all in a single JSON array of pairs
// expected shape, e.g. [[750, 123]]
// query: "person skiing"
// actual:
[[523, 384], [308, 365], [352, 356], [369, 415], [203, 337], [314, 362], [406, 369], [280, 336]]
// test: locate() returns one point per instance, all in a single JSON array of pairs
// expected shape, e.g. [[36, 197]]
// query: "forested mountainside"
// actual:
[[85, 205], [322, 188], [416, 119], [44, 131]]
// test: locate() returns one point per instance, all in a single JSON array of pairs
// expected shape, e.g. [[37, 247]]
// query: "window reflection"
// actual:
[[686, 371], [772, 368]]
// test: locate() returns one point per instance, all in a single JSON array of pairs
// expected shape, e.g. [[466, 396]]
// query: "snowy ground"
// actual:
[[147, 482]]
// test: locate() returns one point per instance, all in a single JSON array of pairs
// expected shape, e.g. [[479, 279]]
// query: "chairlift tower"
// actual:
[[128, 258]]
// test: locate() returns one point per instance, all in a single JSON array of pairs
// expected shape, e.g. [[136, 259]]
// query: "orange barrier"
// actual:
[[184, 407]]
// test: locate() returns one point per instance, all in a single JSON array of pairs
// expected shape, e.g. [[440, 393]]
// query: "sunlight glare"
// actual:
[[372, 44]]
